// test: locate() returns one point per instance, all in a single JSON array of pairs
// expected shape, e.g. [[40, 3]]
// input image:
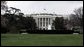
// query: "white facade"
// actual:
[[44, 20]]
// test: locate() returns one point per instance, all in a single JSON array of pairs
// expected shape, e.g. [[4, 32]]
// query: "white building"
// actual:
[[44, 20]]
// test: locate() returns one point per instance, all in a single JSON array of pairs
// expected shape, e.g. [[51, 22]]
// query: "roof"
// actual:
[[43, 14]]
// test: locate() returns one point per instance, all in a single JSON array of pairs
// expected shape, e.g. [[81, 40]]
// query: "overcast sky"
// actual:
[[59, 7]]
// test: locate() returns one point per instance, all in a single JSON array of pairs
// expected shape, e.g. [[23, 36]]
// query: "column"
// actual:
[[42, 22], [45, 22], [38, 22], [51, 21], [48, 21]]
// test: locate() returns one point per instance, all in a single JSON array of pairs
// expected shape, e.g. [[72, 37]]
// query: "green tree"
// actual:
[[4, 20], [29, 23], [58, 23]]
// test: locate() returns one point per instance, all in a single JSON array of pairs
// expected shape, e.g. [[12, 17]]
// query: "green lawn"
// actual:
[[41, 40]]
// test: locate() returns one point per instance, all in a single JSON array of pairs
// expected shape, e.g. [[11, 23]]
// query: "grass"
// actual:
[[41, 40]]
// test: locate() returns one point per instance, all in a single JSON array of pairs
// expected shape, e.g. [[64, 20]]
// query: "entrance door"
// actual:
[[49, 27], [43, 28]]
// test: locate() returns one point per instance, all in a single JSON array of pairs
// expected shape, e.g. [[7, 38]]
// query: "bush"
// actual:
[[50, 31], [4, 30]]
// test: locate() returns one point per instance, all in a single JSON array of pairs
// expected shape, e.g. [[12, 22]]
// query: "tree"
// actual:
[[15, 22], [29, 23], [4, 20], [4, 7], [79, 12], [58, 23], [14, 10], [79, 15], [4, 23], [77, 18], [10, 19]]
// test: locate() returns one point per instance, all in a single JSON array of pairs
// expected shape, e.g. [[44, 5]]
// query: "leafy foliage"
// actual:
[[58, 23], [13, 21]]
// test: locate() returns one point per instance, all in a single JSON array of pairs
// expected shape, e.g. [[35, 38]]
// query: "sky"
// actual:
[[58, 7]]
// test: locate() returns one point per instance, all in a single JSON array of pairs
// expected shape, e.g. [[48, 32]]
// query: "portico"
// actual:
[[43, 23], [44, 20]]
